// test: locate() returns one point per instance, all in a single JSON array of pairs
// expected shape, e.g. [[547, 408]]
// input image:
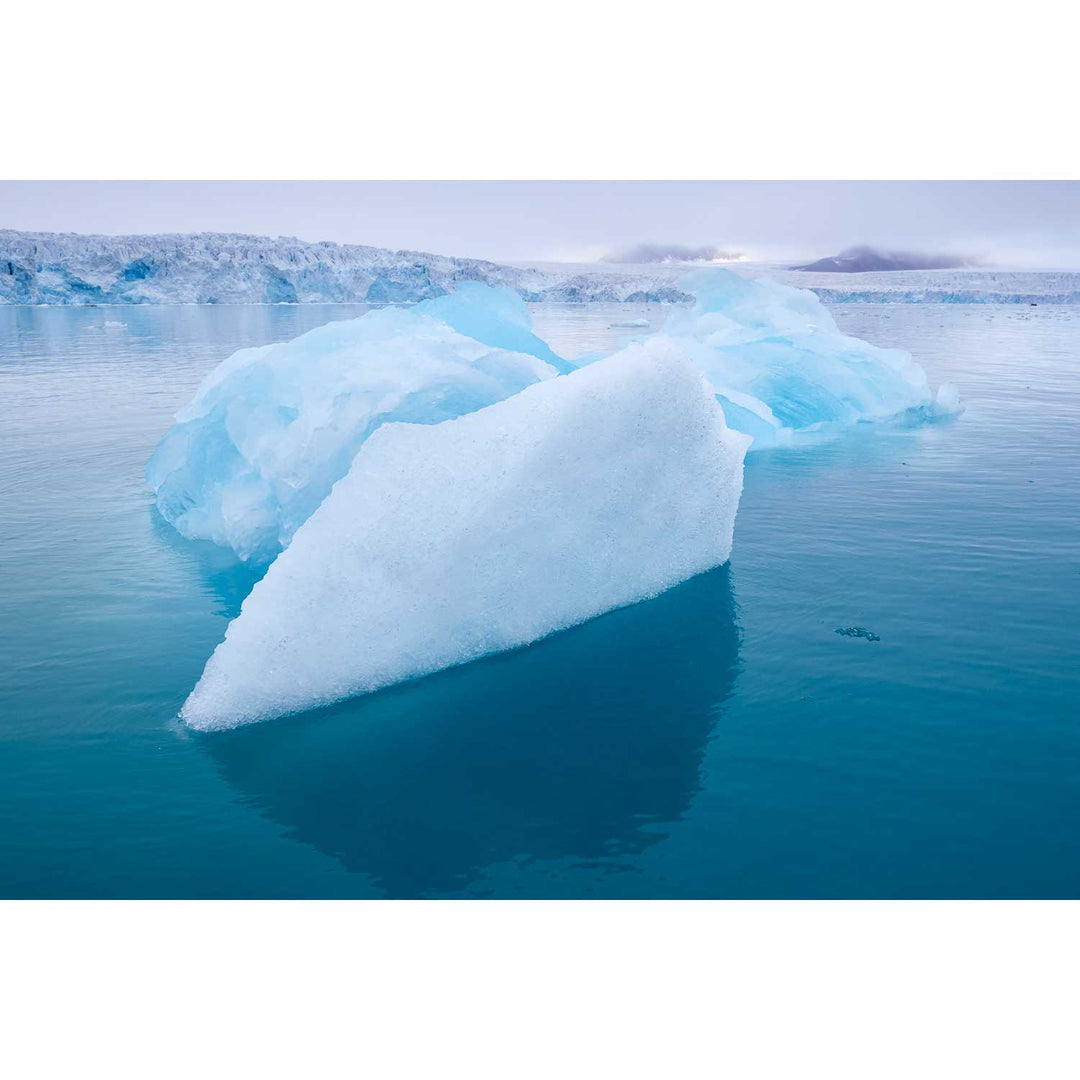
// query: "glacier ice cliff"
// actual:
[[228, 268], [223, 268], [271, 429], [447, 542]]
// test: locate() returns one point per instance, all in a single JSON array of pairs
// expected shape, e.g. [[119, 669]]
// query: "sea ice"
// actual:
[[447, 542], [780, 364], [271, 429]]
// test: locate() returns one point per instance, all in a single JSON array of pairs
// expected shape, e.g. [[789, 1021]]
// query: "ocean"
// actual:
[[721, 740]]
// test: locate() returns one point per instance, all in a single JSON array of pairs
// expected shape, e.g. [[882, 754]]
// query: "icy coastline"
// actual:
[[227, 268], [220, 268]]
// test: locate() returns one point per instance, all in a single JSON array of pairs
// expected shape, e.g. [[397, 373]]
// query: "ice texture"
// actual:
[[272, 428], [779, 363], [225, 268], [447, 542]]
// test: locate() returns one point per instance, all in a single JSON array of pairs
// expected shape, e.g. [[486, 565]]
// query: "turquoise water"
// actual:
[[719, 741]]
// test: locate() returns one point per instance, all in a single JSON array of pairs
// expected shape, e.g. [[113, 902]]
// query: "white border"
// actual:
[[481, 89], [517, 991]]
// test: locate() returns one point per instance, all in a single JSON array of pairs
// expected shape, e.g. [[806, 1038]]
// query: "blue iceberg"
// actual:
[[780, 364], [271, 429], [437, 484]]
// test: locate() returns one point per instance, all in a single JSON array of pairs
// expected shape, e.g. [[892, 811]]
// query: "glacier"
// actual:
[[231, 268], [271, 429], [223, 268], [447, 542]]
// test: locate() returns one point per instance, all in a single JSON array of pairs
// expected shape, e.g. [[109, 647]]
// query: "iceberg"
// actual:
[[779, 363], [947, 401], [271, 429], [447, 542]]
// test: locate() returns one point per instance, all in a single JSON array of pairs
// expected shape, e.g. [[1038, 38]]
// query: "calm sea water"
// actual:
[[719, 741]]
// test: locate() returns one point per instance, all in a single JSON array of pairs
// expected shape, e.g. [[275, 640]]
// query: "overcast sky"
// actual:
[[1030, 223]]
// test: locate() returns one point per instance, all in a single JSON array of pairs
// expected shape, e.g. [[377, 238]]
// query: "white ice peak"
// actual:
[[447, 542]]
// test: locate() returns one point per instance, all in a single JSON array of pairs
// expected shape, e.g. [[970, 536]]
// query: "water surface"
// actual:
[[719, 741]]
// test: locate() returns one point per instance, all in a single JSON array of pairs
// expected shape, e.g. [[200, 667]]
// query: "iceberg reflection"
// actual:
[[581, 746]]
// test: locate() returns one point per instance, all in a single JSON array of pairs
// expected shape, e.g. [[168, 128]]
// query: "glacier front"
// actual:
[[447, 542], [231, 268]]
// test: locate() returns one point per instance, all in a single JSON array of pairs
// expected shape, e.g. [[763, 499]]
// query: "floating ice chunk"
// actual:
[[447, 542], [271, 429], [781, 365], [947, 401], [630, 324]]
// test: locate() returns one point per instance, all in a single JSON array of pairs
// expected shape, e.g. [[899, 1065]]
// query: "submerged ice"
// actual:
[[447, 542], [271, 429]]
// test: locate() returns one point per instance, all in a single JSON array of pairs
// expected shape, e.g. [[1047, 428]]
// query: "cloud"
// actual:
[[672, 253]]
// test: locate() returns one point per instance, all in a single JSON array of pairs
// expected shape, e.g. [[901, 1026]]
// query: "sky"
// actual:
[[1015, 223]]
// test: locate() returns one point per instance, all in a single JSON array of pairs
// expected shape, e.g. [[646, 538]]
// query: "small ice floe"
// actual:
[[945, 406], [947, 401], [857, 631], [112, 324], [629, 324]]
